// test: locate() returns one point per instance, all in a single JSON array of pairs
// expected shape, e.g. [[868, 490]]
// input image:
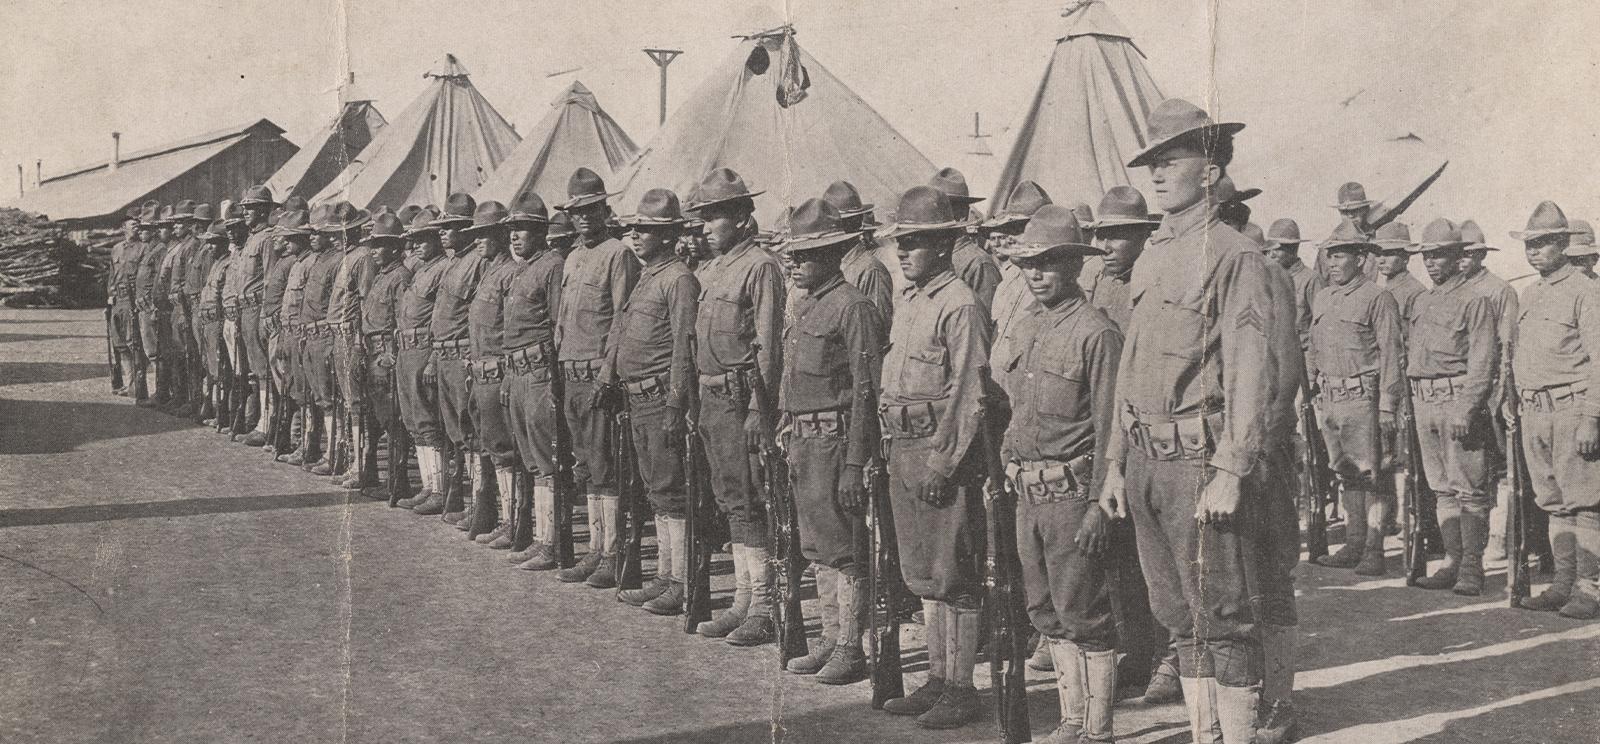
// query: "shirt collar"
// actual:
[[652, 270], [828, 286], [1351, 287], [1062, 311], [1559, 274], [1197, 216], [933, 286]]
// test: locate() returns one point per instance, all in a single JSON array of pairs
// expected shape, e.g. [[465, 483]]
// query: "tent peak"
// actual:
[[449, 67], [1093, 18], [576, 93]]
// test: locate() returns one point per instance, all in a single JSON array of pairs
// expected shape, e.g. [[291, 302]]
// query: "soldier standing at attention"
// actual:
[[931, 410], [290, 242], [1356, 370], [1059, 374], [212, 350], [194, 281], [448, 326], [973, 265], [486, 330], [1557, 369], [1011, 296], [1581, 251], [174, 269], [250, 280], [125, 258], [152, 299], [419, 396], [292, 342], [1196, 395], [739, 329], [653, 361], [1283, 247], [1123, 228], [595, 282], [1394, 273], [829, 402], [532, 304], [861, 266], [379, 314], [352, 278], [1451, 360], [1503, 303], [318, 357]]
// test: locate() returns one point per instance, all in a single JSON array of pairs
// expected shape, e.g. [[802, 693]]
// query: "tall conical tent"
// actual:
[[1088, 116], [773, 113], [575, 133], [329, 151], [449, 139]]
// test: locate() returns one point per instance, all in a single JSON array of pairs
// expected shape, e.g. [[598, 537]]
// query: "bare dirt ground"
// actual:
[[158, 584]]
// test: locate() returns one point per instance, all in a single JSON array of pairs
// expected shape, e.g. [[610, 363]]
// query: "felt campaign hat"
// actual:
[[344, 216], [1473, 235], [585, 187], [203, 214], [1053, 228], [816, 223], [923, 209], [527, 209], [1284, 232], [953, 184], [1124, 205], [1440, 233], [719, 186], [458, 211], [1352, 195], [294, 222], [164, 217], [845, 198], [422, 222], [217, 230], [257, 196], [295, 202], [1174, 121], [560, 227], [489, 214], [1394, 236], [386, 227], [1024, 200], [1547, 219], [1253, 232], [184, 210], [231, 214], [657, 208], [408, 213], [1347, 236], [1582, 239]]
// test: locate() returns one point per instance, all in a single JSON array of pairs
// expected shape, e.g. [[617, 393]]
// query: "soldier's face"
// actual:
[[811, 269], [1285, 256], [1546, 254], [180, 229], [491, 242], [1344, 265], [1180, 177], [1393, 263], [1583, 262], [590, 220], [322, 241], [724, 226], [923, 255], [1052, 277], [564, 244], [389, 250], [453, 238], [166, 233], [527, 240], [1472, 261], [424, 247], [294, 245], [146, 233], [649, 243], [1442, 264], [1123, 246], [254, 215]]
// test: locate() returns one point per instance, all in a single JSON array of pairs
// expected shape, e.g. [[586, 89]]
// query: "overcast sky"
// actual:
[[1504, 89]]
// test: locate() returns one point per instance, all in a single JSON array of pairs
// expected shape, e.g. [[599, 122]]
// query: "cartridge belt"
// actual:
[[730, 384], [1052, 481], [1190, 437], [1553, 398], [415, 338], [455, 348], [1436, 389], [820, 424], [1341, 389], [911, 421], [580, 371], [252, 299], [646, 388], [485, 370]]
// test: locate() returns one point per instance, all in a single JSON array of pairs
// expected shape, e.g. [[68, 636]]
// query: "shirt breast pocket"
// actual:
[[815, 354], [923, 376], [1060, 383], [1550, 328], [644, 318]]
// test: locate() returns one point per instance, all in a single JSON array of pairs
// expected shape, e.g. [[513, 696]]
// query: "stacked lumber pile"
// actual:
[[40, 266]]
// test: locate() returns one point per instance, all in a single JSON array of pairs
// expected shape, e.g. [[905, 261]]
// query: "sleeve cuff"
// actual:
[[1232, 463]]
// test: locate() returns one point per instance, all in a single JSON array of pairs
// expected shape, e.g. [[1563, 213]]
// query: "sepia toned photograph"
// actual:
[[1058, 371]]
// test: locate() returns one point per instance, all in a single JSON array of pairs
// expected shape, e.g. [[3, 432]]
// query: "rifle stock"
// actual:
[[1315, 480], [1516, 545], [883, 583], [1007, 608], [561, 484], [1416, 559], [700, 510], [782, 523], [630, 574]]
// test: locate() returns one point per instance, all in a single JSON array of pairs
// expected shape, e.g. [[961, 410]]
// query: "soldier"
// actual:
[[448, 326], [294, 389], [486, 322], [289, 245], [531, 307], [419, 397], [595, 282], [1283, 247], [1394, 274], [1503, 304], [249, 280], [1356, 371], [379, 315], [195, 272], [211, 314], [1058, 374], [125, 304], [152, 303], [318, 354], [354, 458], [1581, 251], [1120, 233], [1353, 203], [1011, 296], [861, 266], [560, 235], [1555, 366], [170, 278], [973, 265], [738, 332], [931, 412], [653, 362], [1451, 361], [1197, 389]]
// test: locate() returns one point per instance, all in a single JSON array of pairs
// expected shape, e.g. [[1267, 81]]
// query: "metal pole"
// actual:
[[662, 58], [19, 179]]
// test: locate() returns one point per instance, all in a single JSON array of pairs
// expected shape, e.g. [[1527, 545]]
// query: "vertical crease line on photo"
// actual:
[[346, 610]]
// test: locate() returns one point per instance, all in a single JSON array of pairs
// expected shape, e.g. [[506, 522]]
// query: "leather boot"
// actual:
[[847, 664], [498, 538], [1474, 539], [922, 700], [1164, 685], [580, 572], [663, 578], [424, 463], [605, 574], [653, 588], [543, 559], [1449, 514], [733, 617], [1355, 531], [828, 580], [1584, 604], [1373, 561], [518, 557], [757, 628], [669, 602], [1278, 723], [1040, 660], [1564, 548], [959, 705]]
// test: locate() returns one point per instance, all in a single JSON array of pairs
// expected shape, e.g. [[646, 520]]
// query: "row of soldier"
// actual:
[[776, 393]]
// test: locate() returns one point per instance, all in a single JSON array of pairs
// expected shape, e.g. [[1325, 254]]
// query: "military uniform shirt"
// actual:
[[976, 268], [533, 301], [1453, 335], [1011, 300], [1503, 305], [863, 270], [277, 285], [486, 316], [1307, 284], [380, 303], [417, 301], [211, 296], [741, 304], [833, 347], [595, 282], [657, 330], [319, 286], [292, 307], [198, 270], [147, 284], [1061, 383], [1197, 341], [454, 298], [349, 283], [253, 269], [1355, 330], [1559, 336], [1107, 292], [233, 283], [936, 354], [1405, 288], [175, 267], [124, 268]]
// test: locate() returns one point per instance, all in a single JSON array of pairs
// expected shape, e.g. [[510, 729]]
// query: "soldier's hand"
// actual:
[[1219, 502], [430, 373], [1114, 495], [755, 436], [505, 397], [1460, 426], [934, 489], [675, 425], [852, 494], [1092, 533], [1588, 436]]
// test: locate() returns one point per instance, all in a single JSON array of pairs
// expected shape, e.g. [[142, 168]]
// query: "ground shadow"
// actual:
[[38, 427], [24, 373], [6, 338], [173, 508]]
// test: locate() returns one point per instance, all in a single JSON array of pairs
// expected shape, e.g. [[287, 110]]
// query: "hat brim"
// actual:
[[1527, 235], [900, 229], [1358, 245], [697, 206], [413, 232], [1384, 246], [480, 228], [343, 226], [802, 243], [1587, 249], [1023, 250], [524, 219], [453, 220], [1004, 219], [375, 239], [268, 203], [1425, 247], [1121, 222], [1480, 247], [585, 200], [634, 220], [567, 233], [1274, 244], [1347, 206], [1143, 158], [1246, 195]]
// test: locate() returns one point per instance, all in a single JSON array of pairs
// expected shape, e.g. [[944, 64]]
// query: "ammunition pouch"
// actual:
[[531, 361], [415, 338], [730, 385], [485, 370], [820, 424], [646, 388], [1342, 389], [453, 349], [1436, 390], [584, 371], [911, 421], [1192, 437], [1051, 481], [1554, 398]]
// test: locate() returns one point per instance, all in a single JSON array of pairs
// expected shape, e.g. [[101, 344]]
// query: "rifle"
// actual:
[[1416, 556], [561, 484], [782, 522], [1316, 479], [111, 355], [1517, 575], [1007, 608], [630, 575], [884, 585], [700, 511]]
